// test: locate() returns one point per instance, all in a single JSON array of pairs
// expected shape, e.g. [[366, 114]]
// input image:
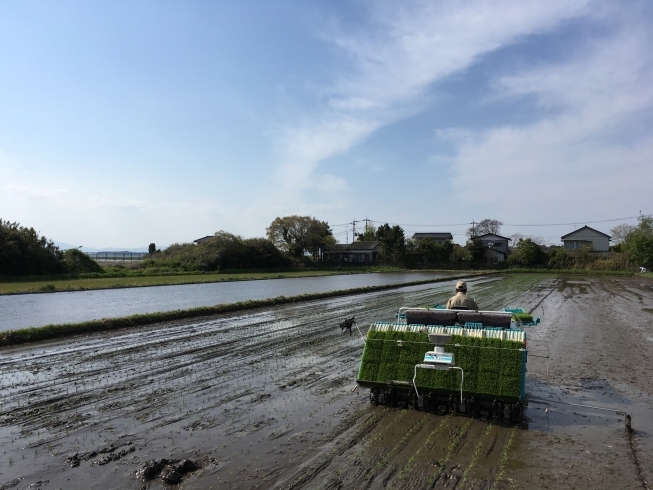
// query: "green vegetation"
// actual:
[[427, 250], [47, 332], [492, 367], [523, 317], [300, 235], [23, 253], [222, 251]]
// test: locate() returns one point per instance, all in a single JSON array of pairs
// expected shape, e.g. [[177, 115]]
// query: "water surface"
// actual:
[[31, 310]]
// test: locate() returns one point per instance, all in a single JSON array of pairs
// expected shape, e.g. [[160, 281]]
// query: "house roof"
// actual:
[[203, 239], [584, 227], [362, 245], [434, 236], [344, 247], [491, 234]]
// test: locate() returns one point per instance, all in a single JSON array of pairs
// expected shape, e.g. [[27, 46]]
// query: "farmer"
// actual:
[[461, 299]]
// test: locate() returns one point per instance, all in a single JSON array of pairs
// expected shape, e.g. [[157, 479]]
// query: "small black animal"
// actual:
[[347, 323]]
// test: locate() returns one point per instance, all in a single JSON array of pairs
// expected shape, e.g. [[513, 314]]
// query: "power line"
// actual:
[[578, 222], [508, 224]]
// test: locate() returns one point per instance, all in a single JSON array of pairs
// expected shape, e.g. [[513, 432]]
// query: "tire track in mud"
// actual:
[[263, 377]]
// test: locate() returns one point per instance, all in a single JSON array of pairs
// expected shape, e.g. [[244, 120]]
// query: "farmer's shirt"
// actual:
[[461, 299]]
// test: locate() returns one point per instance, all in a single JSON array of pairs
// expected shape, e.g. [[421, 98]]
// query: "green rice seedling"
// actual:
[[523, 317]]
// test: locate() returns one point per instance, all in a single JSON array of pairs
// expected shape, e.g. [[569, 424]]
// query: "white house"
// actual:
[[440, 238], [600, 242], [496, 247]]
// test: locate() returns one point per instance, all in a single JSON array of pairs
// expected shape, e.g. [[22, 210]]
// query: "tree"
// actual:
[[299, 235], [368, 235], [393, 243], [621, 232], [639, 242], [484, 227], [151, 249], [24, 252], [223, 251], [527, 253], [459, 254], [77, 261], [476, 250], [428, 250]]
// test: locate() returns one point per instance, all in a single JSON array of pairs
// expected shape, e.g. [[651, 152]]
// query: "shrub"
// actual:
[[77, 262]]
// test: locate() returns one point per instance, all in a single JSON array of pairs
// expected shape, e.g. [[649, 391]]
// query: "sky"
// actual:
[[129, 122]]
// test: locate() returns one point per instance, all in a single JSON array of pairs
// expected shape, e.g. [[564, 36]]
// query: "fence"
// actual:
[[117, 256]]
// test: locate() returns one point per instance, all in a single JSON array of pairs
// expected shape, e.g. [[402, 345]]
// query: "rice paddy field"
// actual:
[[267, 399], [132, 280]]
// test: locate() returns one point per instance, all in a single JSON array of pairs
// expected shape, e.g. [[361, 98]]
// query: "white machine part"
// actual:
[[438, 358]]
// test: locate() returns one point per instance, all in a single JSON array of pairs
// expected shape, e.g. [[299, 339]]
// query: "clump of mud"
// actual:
[[169, 470], [110, 454]]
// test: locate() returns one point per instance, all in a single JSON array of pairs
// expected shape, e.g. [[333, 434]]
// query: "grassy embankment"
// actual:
[[48, 332], [116, 278]]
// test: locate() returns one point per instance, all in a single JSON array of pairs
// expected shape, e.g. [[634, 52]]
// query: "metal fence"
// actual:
[[117, 256]]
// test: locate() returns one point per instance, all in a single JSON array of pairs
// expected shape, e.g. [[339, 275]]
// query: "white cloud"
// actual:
[[591, 156], [389, 66]]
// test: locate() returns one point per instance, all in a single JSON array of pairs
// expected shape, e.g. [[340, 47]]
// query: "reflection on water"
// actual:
[[30, 310]]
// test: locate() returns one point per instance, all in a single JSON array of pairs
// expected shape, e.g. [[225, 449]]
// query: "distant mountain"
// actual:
[[66, 246]]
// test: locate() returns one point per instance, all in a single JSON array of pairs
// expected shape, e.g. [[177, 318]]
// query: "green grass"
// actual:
[[128, 279], [492, 367]]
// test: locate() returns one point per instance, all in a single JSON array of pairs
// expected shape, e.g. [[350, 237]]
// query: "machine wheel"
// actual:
[[374, 397], [412, 401]]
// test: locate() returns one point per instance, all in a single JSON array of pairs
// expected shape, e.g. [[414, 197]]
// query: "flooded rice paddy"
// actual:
[[267, 399], [33, 310]]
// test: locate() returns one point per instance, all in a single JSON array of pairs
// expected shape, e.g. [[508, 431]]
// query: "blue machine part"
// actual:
[[514, 310]]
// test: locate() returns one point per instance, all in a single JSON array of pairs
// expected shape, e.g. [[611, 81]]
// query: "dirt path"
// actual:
[[267, 400]]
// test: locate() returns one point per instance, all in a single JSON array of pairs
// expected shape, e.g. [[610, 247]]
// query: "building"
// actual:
[[600, 242], [496, 247], [353, 253], [203, 239], [440, 238]]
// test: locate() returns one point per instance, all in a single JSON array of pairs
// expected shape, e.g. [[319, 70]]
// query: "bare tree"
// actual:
[[620, 232], [484, 227], [514, 240]]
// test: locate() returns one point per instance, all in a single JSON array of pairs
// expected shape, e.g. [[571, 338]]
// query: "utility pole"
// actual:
[[473, 228], [353, 235]]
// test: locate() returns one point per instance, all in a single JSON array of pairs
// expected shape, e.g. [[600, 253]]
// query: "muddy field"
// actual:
[[268, 400]]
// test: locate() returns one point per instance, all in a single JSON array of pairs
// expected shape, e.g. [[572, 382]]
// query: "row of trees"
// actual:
[[23, 253], [294, 239]]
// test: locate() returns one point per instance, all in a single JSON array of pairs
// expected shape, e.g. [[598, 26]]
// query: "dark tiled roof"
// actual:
[[434, 236], [203, 239], [362, 245]]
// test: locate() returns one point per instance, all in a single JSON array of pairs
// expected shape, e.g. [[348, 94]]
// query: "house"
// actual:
[[440, 238], [353, 253], [203, 239], [600, 242], [496, 247]]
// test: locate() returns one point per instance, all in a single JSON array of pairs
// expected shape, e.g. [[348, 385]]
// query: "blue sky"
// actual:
[[125, 123]]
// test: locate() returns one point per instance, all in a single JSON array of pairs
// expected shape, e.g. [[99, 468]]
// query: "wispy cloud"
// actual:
[[593, 151], [390, 65]]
